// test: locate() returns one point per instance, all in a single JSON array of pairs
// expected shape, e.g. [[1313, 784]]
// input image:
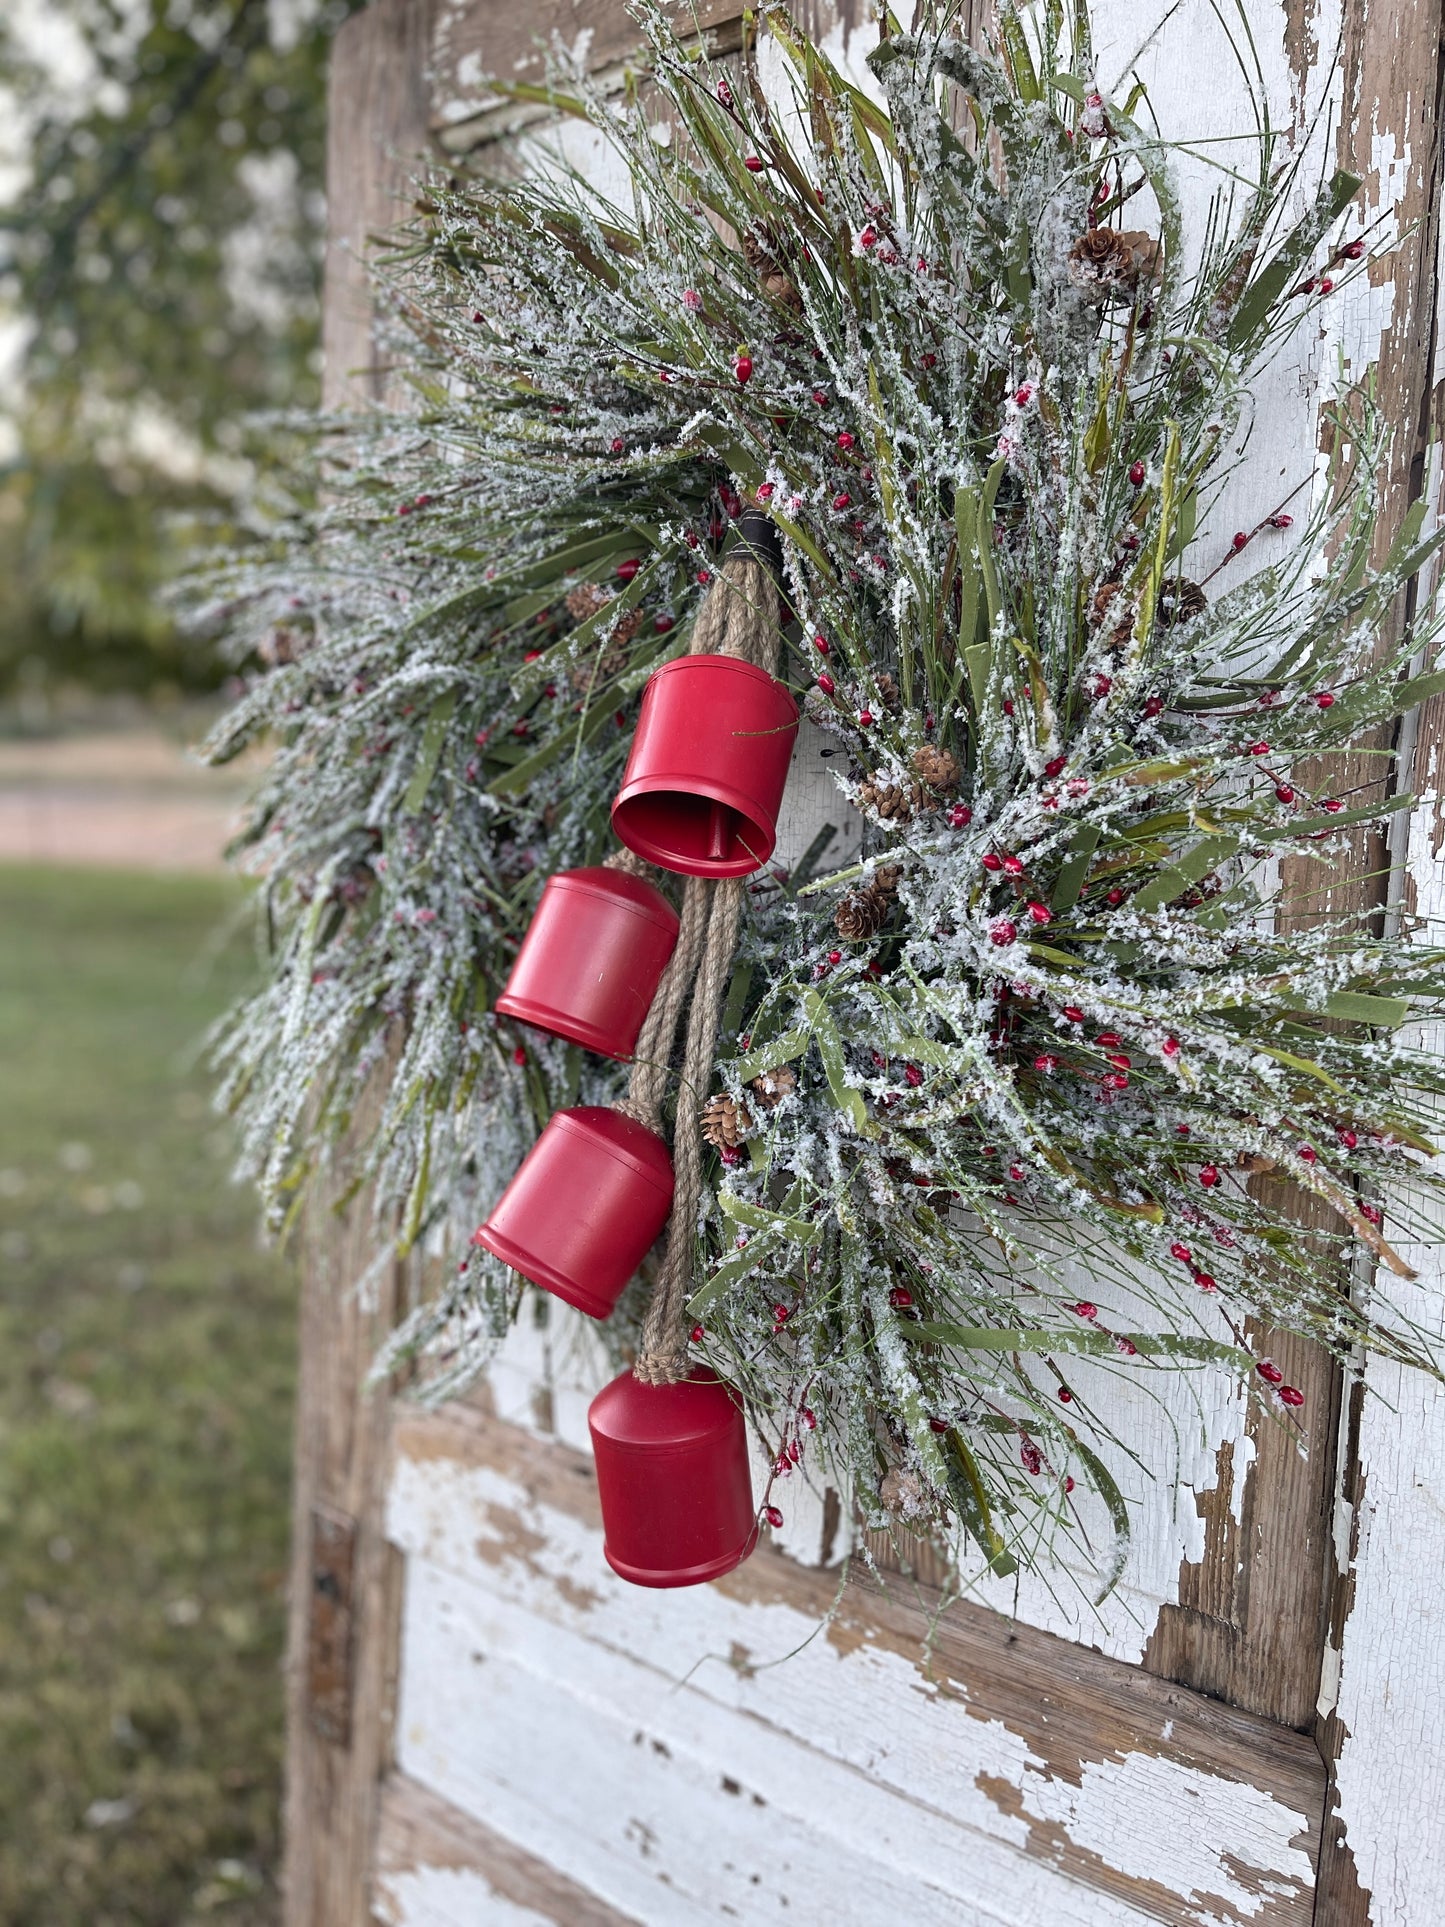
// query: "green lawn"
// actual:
[[146, 1375]]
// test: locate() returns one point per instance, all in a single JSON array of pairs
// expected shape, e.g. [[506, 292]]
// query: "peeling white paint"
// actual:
[[449, 1897]]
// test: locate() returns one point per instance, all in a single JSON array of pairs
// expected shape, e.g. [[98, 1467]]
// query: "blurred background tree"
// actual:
[[161, 221]]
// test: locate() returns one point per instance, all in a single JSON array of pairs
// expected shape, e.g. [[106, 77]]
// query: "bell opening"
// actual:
[[699, 835]]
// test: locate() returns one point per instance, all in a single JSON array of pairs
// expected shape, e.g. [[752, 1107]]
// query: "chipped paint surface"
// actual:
[[1391, 1684], [449, 1897], [648, 1746]]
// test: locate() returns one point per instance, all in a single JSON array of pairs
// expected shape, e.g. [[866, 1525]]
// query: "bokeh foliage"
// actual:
[[163, 260]]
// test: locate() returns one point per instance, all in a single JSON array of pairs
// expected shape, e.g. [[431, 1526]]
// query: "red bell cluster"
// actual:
[[700, 795]]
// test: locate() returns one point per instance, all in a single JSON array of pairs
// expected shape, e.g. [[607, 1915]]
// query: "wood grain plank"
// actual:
[[437, 1866], [377, 102], [517, 1519]]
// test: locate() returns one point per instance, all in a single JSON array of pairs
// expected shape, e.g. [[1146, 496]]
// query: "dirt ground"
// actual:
[[126, 800]]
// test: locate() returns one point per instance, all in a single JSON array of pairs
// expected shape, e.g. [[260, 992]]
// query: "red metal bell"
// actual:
[[673, 1477], [580, 1215], [705, 775], [591, 959]]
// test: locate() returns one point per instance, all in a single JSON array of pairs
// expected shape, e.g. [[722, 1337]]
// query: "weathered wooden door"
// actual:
[[486, 1726]]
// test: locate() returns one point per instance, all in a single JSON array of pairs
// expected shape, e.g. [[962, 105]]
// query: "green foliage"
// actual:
[[145, 1398], [163, 258], [991, 428]]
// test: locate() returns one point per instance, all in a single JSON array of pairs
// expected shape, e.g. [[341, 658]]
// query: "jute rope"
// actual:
[[739, 619]]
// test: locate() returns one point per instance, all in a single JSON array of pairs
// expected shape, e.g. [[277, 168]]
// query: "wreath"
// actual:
[[1008, 1106]]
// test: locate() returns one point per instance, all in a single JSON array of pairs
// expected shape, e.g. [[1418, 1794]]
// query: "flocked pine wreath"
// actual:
[[1038, 1051]]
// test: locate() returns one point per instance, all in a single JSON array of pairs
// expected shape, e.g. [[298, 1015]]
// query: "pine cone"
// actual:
[[725, 1122], [585, 600], [761, 252], [937, 767], [1108, 264], [279, 647], [894, 802], [1180, 601], [888, 691], [863, 914], [594, 670], [1106, 597], [773, 1086], [903, 1495]]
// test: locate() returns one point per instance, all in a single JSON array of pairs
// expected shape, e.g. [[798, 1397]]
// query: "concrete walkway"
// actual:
[[128, 800]]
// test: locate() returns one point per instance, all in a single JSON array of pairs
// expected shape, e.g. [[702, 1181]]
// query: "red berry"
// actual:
[[1014, 865], [617, 444], [695, 1335], [1046, 1061], [1154, 706], [765, 491], [1281, 521], [1309, 1153], [1170, 1047], [1024, 395], [1347, 1137], [959, 816], [845, 441], [1065, 1395], [835, 956], [1371, 1213], [1107, 1039], [938, 1425], [1240, 540], [991, 860], [1209, 1176], [827, 684], [900, 1298], [865, 718], [781, 1314], [773, 1516], [1284, 793], [1119, 1060], [1181, 1130], [1352, 251], [1068, 1482], [743, 368], [842, 500], [1136, 473], [754, 164], [1291, 1394], [1040, 913], [1008, 705], [628, 569], [868, 238], [1270, 1372], [1005, 931], [1054, 765], [1205, 1282], [1114, 897], [1261, 748], [820, 397], [1073, 1013], [1333, 805], [1115, 1080], [1102, 686], [704, 576], [1325, 699], [1327, 286], [519, 1055], [912, 1075], [1084, 1309], [1181, 1252], [662, 624]]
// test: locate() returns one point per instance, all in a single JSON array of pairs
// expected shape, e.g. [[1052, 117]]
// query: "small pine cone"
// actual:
[[863, 914], [1107, 598], [585, 600], [773, 1086], [628, 624], [761, 254], [894, 802], [888, 691], [1108, 264], [725, 1122], [903, 1495], [936, 767], [278, 647], [587, 674], [1180, 601]]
